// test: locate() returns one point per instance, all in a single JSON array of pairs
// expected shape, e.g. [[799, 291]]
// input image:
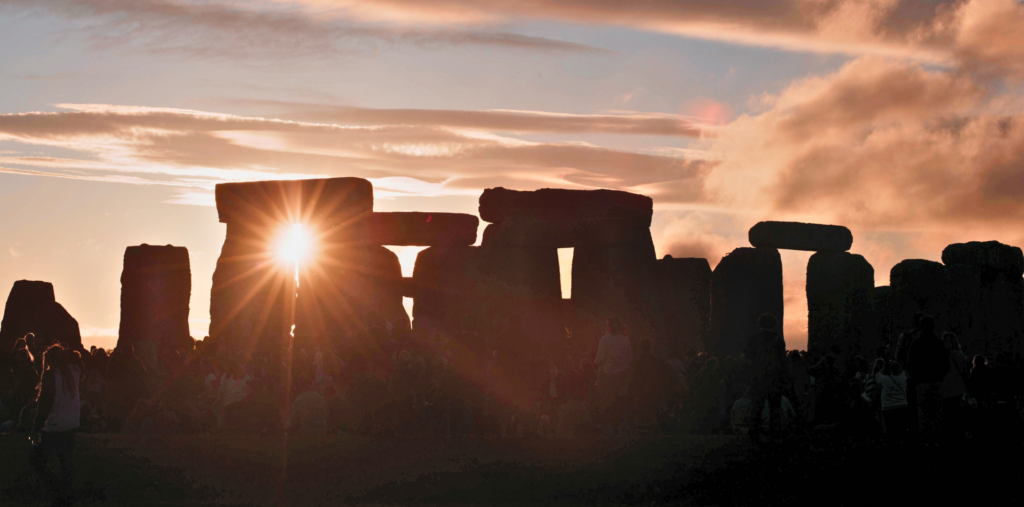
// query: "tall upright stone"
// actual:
[[615, 280], [745, 284], [253, 287], [334, 298], [839, 291], [524, 281], [32, 308], [918, 285], [156, 285], [986, 295], [446, 287], [684, 288]]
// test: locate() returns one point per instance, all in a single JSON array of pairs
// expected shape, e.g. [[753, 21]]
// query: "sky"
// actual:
[[900, 119]]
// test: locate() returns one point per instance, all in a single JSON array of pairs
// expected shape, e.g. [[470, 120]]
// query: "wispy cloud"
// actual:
[[404, 153], [259, 31]]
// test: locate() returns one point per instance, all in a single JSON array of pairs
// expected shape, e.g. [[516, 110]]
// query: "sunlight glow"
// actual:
[[295, 246]]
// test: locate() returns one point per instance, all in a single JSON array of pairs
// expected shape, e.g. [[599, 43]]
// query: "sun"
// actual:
[[294, 245]]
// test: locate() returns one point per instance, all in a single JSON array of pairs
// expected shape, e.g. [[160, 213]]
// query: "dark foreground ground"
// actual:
[[656, 470]]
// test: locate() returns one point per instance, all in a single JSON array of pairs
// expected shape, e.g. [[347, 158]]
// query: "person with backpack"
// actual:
[[928, 363]]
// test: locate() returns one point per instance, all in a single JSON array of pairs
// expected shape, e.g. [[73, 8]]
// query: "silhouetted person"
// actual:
[[893, 382], [614, 357], [903, 344], [57, 418], [928, 363], [127, 382], [766, 350], [953, 388], [651, 384]]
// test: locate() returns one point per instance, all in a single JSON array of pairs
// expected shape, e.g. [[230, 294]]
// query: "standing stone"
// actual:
[[525, 281], [334, 297], [684, 288], [615, 280], [446, 284], [801, 236], [918, 285], [986, 295], [32, 308], [156, 285], [879, 320], [555, 204], [253, 288], [745, 284], [839, 290]]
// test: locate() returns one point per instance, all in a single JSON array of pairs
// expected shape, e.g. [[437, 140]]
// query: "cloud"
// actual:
[[626, 122], [259, 31], [197, 149]]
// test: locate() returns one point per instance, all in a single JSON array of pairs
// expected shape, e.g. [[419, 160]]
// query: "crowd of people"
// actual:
[[503, 384]]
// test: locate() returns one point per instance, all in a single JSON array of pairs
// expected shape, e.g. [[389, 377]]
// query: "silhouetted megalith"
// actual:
[[918, 285], [555, 204], [985, 295], [839, 291], [32, 308], [156, 285], [524, 281], [334, 296], [421, 229], [447, 287], [745, 284], [879, 320], [565, 234], [801, 236], [615, 280], [252, 286], [250, 290], [684, 289]]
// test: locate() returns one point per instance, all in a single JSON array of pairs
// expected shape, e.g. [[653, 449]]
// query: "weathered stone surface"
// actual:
[[524, 281], [447, 288], [839, 290], [251, 287], [991, 255], [336, 293], [554, 204], [876, 322], [918, 285], [745, 284], [684, 288], [801, 236], [985, 295], [32, 308], [615, 280], [421, 229], [156, 285], [565, 234], [324, 201]]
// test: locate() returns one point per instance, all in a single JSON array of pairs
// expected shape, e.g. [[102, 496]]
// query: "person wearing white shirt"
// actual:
[[614, 357]]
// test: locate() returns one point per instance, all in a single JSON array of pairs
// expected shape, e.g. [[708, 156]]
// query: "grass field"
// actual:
[[656, 470]]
